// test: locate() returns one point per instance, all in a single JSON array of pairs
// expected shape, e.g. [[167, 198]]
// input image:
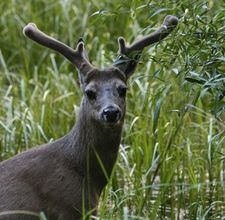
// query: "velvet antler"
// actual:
[[77, 57], [129, 55]]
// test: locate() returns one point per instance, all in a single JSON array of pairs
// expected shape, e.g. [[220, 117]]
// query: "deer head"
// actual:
[[104, 90]]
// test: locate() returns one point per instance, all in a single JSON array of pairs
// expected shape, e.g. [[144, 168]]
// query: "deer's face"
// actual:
[[104, 90], [105, 93]]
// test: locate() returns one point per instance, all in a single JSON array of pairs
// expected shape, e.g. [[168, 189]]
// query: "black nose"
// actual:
[[111, 114]]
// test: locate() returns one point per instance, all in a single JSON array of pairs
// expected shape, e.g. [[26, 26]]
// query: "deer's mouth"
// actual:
[[112, 125]]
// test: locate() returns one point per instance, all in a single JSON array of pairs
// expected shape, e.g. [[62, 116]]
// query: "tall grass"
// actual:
[[171, 163]]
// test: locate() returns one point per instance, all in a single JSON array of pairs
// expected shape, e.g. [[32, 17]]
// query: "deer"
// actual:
[[65, 178]]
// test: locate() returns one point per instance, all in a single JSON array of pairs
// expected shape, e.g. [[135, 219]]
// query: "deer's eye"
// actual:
[[122, 91], [91, 94]]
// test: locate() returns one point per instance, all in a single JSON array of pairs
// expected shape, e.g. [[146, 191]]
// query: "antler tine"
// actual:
[[168, 25], [76, 57]]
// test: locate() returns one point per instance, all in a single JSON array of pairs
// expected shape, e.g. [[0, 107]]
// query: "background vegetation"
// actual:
[[171, 163]]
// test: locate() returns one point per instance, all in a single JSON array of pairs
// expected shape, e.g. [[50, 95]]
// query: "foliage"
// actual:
[[171, 162]]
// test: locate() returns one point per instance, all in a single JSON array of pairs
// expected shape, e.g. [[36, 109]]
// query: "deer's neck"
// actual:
[[95, 147]]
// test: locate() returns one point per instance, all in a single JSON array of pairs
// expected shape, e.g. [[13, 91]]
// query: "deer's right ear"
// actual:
[[77, 57]]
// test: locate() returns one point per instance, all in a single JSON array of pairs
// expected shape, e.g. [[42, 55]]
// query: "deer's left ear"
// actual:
[[129, 55]]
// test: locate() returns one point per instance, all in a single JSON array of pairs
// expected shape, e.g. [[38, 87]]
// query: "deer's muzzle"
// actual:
[[111, 114]]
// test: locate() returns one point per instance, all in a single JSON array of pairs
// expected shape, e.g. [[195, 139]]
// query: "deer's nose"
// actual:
[[111, 114]]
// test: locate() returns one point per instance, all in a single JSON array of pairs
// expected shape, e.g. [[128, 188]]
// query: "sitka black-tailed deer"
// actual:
[[65, 178]]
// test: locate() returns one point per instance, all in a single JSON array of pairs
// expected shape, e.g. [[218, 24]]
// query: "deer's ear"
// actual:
[[126, 65], [83, 73], [127, 68]]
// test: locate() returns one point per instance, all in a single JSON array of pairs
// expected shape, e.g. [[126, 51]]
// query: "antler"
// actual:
[[131, 54], [128, 55], [77, 57]]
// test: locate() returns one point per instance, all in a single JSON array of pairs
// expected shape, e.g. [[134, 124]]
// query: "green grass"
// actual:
[[171, 163]]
